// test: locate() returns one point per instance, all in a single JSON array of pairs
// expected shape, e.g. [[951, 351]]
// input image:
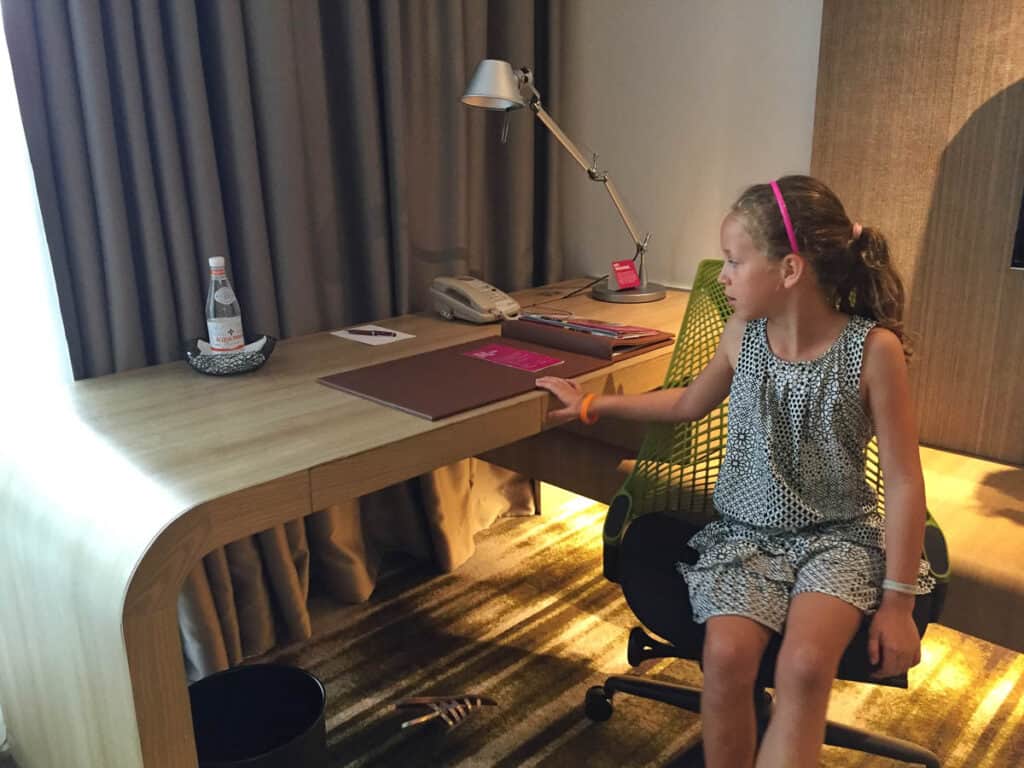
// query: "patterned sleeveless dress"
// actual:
[[796, 512]]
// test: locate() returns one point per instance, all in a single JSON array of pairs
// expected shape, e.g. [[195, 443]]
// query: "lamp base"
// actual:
[[640, 295]]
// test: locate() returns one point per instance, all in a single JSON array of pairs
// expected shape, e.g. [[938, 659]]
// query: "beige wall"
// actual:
[[687, 102]]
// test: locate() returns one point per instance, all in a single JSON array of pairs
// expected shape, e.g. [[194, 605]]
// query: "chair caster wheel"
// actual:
[[597, 705]]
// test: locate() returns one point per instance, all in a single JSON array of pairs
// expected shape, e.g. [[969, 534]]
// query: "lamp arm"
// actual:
[[559, 134], [641, 243], [593, 172]]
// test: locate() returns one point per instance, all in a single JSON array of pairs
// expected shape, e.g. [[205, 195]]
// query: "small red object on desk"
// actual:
[[623, 275]]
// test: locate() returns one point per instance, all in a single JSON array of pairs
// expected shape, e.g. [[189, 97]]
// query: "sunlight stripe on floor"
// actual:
[[986, 710]]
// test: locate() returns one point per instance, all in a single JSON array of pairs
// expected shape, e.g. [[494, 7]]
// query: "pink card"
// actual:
[[623, 275], [513, 357]]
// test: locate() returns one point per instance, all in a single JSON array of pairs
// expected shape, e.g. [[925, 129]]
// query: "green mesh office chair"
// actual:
[[666, 498]]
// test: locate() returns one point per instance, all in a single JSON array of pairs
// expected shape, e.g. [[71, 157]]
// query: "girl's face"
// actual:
[[751, 280]]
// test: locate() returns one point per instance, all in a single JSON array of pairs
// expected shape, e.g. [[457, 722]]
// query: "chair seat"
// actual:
[[657, 593]]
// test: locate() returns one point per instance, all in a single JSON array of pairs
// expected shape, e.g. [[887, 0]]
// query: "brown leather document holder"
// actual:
[[444, 382], [584, 343]]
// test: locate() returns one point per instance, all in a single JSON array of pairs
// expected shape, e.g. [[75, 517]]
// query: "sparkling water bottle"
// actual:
[[223, 315]]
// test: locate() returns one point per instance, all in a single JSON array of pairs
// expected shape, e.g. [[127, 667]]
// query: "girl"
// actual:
[[813, 360]]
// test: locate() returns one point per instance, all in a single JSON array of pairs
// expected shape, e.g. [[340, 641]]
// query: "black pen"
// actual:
[[365, 332]]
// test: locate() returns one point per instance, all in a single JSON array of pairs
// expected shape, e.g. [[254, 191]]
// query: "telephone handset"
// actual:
[[468, 298]]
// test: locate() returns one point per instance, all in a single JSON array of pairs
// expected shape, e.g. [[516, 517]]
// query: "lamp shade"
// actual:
[[493, 86]]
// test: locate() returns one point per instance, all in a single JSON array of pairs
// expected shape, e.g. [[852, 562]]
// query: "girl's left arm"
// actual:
[[893, 641]]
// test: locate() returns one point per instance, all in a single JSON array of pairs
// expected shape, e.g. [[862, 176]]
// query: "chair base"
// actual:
[[848, 737], [598, 707]]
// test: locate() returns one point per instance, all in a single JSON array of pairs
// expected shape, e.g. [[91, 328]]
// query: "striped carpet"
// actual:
[[531, 622]]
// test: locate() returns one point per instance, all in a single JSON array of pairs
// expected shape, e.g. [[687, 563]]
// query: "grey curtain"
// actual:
[[321, 148]]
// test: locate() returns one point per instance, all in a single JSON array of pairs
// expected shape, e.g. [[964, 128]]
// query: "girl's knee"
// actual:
[[805, 667], [730, 659]]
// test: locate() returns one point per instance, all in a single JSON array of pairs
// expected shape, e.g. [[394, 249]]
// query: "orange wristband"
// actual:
[[585, 416]]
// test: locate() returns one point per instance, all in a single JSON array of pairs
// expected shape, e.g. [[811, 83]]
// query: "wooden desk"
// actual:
[[114, 489]]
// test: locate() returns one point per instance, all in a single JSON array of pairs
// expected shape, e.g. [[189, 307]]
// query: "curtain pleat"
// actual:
[[322, 150], [168, 163], [237, 137]]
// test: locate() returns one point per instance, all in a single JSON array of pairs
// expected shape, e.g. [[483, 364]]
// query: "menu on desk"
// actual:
[[521, 359]]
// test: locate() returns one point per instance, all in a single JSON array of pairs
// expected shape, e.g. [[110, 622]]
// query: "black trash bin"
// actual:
[[259, 716]]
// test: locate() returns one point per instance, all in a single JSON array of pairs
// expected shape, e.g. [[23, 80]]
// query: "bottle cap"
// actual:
[[217, 261]]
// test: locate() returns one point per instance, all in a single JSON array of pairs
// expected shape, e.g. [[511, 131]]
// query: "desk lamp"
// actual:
[[495, 85]]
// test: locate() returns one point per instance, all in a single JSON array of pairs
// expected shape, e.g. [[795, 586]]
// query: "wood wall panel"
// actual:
[[881, 111], [919, 127]]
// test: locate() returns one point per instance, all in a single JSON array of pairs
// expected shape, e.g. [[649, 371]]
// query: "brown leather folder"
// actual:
[[605, 347], [446, 381]]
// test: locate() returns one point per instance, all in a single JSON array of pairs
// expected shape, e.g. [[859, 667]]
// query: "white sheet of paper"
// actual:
[[375, 341]]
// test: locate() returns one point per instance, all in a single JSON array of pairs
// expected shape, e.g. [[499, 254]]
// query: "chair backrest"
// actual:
[[677, 466]]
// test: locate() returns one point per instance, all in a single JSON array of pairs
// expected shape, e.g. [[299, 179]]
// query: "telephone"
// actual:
[[470, 299]]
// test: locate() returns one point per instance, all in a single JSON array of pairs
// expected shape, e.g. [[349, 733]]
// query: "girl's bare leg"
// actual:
[[733, 647], [818, 629]]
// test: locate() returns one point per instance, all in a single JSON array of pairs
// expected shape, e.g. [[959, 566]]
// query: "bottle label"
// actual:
[[226, 334], [224, 295]]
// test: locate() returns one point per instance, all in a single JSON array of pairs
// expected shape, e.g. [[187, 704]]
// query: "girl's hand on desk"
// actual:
[[566, 391]]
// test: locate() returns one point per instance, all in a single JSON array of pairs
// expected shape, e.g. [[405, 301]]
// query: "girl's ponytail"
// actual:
[[874, 289]]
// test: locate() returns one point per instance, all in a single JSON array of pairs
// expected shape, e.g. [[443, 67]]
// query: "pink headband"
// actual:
[[785, 216]]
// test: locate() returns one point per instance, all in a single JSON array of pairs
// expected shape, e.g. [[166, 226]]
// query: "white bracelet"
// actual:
[[899, 586]]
